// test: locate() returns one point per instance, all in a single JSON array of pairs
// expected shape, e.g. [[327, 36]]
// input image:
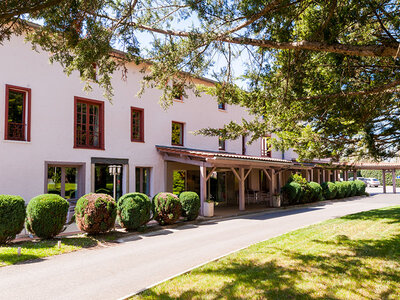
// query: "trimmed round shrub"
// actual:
[[46, 215], [353, 188], [166, 208], [291, 192], [341, 189], [12, 217], [316, 191], [360, 185], [95, 213], [134, 210], [190, 205], [329, 190]]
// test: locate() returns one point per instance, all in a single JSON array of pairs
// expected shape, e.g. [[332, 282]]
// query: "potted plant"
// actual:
[[208, 208], [276, 200]]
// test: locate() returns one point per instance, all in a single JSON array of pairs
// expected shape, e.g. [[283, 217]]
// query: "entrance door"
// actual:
[[104, 181]]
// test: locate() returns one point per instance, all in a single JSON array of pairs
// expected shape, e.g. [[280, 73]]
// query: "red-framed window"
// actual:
[[89, 124], [221, 106], [177, 132], [265, 146], [137, 124], [18, 113]]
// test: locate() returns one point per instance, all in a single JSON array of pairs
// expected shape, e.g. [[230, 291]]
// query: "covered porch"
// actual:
[[231, 180]]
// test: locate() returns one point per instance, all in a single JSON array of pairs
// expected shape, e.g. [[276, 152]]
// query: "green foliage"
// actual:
[[166, 208], [46, 215], [316, 191], [190, 205], [347, 187], [329, 190], [12, 217], [291, 192], [95, 213], [306, 193], [353, 188], [341, 189], [178, 182], [360, 185], [134, 210]]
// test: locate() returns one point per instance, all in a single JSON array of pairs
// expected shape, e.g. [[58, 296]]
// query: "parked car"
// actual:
[[363, 179], [372, 182]]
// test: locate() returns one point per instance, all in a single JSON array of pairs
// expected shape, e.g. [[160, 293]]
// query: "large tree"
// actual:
[[323, 76]]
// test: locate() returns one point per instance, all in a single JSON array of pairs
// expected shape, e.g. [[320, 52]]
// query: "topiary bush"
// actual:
[[190, 205], [166, 208], [291, 193], [12, 217], [360, 185], [316, 191], [341, 189], [134, 210], [95, 213], [329, 190], [306, 194], [46, 215]]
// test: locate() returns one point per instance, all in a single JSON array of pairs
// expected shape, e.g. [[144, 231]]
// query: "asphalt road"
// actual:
[[115, 272]]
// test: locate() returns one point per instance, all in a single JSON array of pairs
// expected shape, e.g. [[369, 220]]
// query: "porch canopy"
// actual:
[[240, 165]]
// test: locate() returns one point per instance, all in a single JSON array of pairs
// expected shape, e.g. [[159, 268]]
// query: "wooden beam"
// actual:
[[210, 174], [247, 174], [241, 190], [186, 161], [267, 174], [236, 174], [384, 181], [203, 187]]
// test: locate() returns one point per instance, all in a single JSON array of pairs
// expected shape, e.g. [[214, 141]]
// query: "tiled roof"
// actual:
[[218, 154]]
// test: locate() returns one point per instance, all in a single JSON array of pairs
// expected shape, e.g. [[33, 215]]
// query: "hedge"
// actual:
[[329, 190], [291, 193], [360, 185], [341, 189], [46, 215], [316, 191], [134, 210], [12, 217]]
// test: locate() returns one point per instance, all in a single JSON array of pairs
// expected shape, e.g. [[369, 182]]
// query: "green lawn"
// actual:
[[42, 248], [354, 257]]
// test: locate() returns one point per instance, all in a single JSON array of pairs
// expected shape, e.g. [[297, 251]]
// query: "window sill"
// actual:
[[179, 100], [177, 145], [16, 142], [137, 141], [222, 110], [88, 148]]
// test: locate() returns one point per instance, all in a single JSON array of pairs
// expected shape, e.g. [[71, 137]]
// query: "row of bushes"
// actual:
[[46, 215], [297, 190]]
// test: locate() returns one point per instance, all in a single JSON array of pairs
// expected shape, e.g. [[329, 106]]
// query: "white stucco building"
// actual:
[[54, 137]]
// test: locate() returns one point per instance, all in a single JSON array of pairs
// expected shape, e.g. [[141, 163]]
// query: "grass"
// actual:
[[33, 250], [353, 257]]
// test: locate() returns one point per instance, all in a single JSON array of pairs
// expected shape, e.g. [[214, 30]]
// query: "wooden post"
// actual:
[[323, 175], [319, 176], [281, 180], [273, 182], [312, 175], [394, 180], [346, 175], [241, 190], [203, 187], [384, 181]]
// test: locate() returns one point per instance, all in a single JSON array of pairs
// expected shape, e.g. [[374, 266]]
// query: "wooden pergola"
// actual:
[[241, 166]]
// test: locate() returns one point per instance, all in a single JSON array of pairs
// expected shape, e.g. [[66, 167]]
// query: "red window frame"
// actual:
[[182, 133], [265, 150], [26, 112], [221, 106], [100, 104], [141, 124]]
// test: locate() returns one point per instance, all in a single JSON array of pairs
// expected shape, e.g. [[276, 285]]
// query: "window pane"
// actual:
[[88, 125], [136, 125], [16, 111], [145, 183], [54, 180], [104, 181], [71, 183], [137, 179], [179, 184], [177, 134]]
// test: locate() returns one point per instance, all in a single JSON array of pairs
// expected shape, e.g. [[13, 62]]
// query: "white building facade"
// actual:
[[54, 137]]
